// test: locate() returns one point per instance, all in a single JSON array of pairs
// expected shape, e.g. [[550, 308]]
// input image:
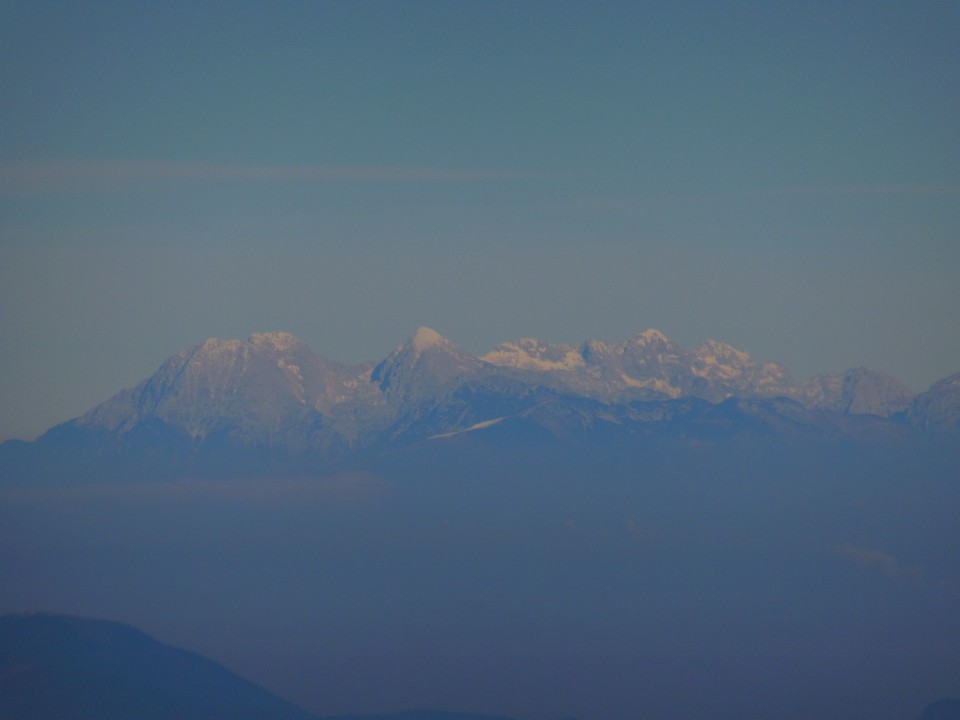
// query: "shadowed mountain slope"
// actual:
[[946, 709], [55, 667], [939, 407], [420, 715]]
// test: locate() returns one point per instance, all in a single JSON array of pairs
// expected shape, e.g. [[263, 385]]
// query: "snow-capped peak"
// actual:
[[533, 354], [426, 354], [425, 338], [713, 351], [651, 335]]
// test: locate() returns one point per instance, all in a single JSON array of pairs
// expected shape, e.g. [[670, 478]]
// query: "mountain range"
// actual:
[[271, 404], [545, 530]]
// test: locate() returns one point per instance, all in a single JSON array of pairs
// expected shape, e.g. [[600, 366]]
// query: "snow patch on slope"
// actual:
[[476, 426], [426, 338], [650, 336], [656, 384], [531, 354]]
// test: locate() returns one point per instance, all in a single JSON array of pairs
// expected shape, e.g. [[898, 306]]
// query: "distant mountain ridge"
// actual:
[[650, 366], [233, 377], [255, 403]]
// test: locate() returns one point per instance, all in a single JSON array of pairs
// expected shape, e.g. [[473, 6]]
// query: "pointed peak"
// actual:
[[716, 350], [412, 351], [651, 335], [425, 338], [427, 354], [718, 345]]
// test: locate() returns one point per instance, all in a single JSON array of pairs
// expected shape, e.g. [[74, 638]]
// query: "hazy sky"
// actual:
[[781, 176]]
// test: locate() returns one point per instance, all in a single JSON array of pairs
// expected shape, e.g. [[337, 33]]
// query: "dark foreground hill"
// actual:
[[420, 715], [946, 709], [54, 667], [60, 667]]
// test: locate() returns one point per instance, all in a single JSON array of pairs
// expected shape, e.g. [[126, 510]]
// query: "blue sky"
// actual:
[[781, 176]]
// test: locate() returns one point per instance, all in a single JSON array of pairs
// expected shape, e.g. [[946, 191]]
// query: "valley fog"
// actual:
[[538, 581]]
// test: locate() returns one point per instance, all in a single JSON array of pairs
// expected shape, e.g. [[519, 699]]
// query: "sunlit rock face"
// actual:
[[255, 391], [533, 354], [648, 366]]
